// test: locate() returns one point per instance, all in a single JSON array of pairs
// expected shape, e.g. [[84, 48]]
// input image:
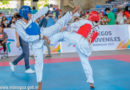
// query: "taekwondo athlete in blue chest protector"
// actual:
[[29, 31], [81, 37]]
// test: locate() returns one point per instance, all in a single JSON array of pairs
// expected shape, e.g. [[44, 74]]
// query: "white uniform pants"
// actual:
[[86, 66], [38, 55], [82, 47], [38, 50]]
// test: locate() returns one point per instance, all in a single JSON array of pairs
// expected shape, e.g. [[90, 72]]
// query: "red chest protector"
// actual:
[[93, 36], [85, 31]]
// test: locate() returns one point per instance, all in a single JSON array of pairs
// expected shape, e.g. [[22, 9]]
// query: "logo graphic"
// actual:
[[124, 44], [55, 49]]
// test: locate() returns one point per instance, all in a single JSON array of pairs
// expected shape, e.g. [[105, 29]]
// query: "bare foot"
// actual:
[[91, 85], [39, 86]]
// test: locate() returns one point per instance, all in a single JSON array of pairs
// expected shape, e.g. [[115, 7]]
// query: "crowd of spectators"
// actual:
[[10, 22], [121, 16], [107, 17]]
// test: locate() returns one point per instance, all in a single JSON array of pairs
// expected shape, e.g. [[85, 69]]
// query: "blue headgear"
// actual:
[[24, 11]]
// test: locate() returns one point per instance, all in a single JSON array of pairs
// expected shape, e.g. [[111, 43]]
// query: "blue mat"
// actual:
[[108, 75]]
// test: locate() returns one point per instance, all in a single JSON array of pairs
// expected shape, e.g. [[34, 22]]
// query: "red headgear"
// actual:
[[94, 16]]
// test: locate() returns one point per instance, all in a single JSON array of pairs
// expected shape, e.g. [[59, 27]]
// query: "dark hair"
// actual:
[[51, 5], [105, 15], [87, 11], [107, 9], [118, 10], [34, 8], [17, 16], [76, 19], [1, 26], [82, 14], [126, 8], [4, 18]]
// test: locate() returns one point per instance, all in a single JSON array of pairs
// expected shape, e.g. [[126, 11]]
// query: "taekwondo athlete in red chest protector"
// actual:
[[82, 37]]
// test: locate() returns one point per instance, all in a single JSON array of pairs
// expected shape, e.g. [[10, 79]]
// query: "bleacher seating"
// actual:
[[111, 5]]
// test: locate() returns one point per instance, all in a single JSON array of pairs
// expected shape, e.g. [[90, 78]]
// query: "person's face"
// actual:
[[50, 15], [101, 14], [105, 16], [76, 20], [29, 16], [129, 19], [84, 17], [14, 19], [6, 22], [4, 18], [107, 11], [57, 7], [1, 29]]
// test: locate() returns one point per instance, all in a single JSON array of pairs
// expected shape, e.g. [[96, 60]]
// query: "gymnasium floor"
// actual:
[[64, 72]]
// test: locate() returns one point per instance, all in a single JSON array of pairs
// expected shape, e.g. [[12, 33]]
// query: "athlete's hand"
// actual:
[[64, 28], [18, 44], [76, 9]]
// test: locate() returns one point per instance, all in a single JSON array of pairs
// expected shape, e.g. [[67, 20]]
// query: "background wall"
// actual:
[[85, 4]]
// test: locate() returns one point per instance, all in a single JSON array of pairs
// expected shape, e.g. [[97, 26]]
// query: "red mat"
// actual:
[[125, 58]]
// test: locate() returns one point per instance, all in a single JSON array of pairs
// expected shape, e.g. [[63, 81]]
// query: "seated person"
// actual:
[[5, 22], [3, 38]]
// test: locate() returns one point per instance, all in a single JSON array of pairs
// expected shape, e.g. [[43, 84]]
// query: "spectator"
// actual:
[[120, 18], [76, 19], [126, 12], [3, 18], [101, 18], [128, 21], [59, 16], [87, 14], [12, 23], [83, 15], [5, 22], [1, 15], [50, 20], [43, 22], [24, 46], [125, 19], [109, 1], [3, 38], [57, 13], [110, 16], [34, 10], [104, 20], [17, 16]]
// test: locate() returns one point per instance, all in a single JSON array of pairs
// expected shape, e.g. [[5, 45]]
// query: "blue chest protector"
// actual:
[[33, 29]]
